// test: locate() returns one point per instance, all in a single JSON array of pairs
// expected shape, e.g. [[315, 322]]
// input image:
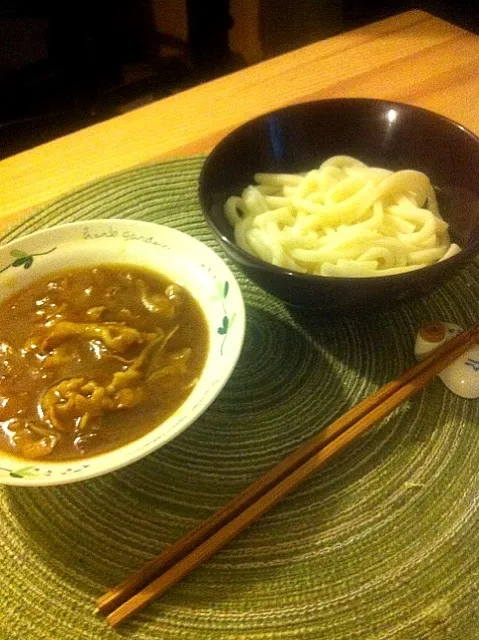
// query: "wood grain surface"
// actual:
[[413, 57]]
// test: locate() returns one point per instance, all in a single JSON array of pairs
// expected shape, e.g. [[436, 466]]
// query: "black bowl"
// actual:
[[385, 134]]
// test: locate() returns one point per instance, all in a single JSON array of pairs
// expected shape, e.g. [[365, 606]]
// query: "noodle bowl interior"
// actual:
[[343, 219], [94, 358]]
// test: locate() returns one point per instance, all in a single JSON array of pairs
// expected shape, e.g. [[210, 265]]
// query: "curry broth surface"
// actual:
[[83, 327]]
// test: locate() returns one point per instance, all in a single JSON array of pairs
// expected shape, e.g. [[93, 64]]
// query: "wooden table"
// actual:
[[412, 57]]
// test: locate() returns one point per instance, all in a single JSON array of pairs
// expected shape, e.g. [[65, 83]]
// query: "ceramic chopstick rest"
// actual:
[[462, 376]]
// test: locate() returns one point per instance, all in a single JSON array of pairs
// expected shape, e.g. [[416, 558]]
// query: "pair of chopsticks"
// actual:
[[182, 557]]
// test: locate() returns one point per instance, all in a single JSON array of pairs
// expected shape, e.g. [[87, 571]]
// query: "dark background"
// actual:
[[65, 65]]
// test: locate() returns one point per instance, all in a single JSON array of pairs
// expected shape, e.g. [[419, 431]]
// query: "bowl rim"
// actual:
[[110, 461], [256, 263]]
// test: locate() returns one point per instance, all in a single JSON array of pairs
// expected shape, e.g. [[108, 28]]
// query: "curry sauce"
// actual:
[[93, 358]]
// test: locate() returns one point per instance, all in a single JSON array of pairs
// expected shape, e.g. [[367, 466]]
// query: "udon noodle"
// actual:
[[342, 219]]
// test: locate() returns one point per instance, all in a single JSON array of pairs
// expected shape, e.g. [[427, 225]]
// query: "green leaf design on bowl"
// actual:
[[17, 253], [31, 471], [25, 262], [227, 320], [223, 330], [23, 259], [24, 472]]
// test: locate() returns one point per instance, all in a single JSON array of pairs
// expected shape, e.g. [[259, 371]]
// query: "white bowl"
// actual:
[[167, 251]]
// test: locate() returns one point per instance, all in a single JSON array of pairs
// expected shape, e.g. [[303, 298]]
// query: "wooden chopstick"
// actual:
[[186, 554]]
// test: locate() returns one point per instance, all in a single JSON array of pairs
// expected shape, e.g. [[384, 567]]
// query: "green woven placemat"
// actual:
[[382, 544]]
